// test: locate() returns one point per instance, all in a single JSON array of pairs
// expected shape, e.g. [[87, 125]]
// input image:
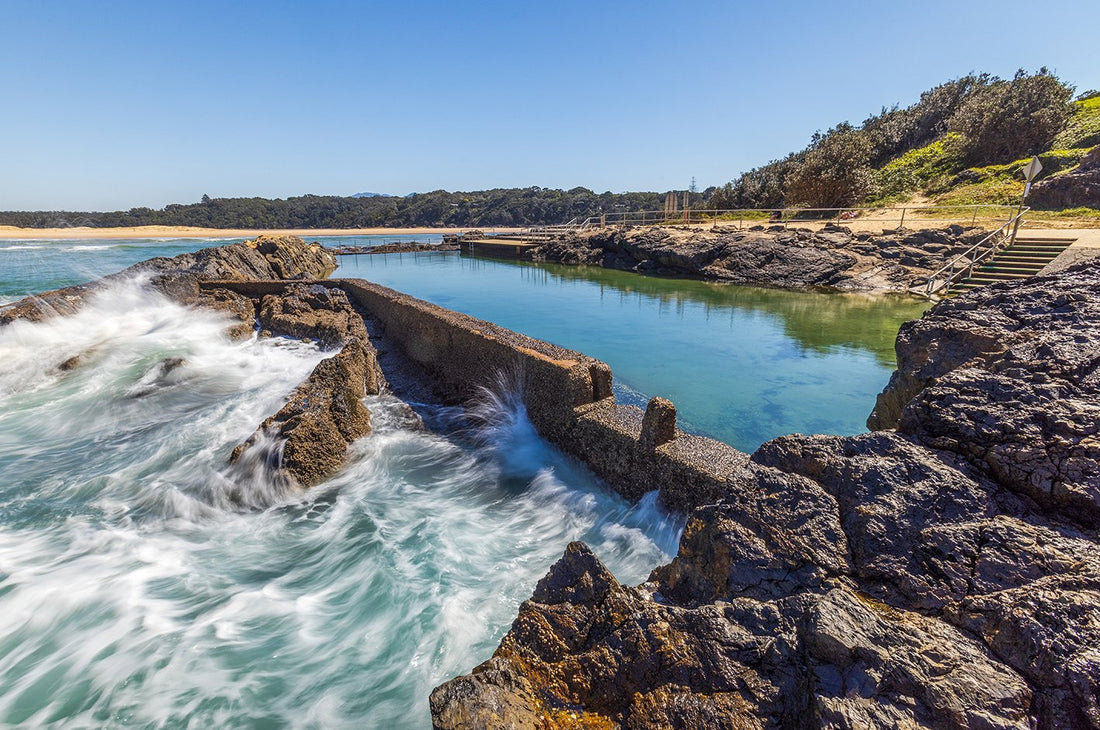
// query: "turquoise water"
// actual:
[[133, 590], [742, 364], [30, 266]]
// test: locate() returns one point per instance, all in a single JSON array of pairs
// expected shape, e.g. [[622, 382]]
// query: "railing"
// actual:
[[786, 216], [544, 233], [963, 265]]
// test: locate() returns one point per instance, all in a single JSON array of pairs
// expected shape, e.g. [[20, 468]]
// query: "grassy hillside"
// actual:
[[964, 142], [936, 171]]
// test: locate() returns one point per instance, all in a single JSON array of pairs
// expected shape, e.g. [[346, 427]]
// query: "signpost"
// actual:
[[1030, 170]]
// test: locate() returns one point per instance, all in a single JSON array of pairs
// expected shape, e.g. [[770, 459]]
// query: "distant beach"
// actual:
[[194, 232]]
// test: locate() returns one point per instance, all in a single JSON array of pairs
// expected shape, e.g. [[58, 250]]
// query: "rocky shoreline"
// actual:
[[307, 439], [775, 256], [942, 571]]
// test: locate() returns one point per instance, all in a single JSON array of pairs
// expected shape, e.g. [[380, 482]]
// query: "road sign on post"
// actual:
[[1030, 170]]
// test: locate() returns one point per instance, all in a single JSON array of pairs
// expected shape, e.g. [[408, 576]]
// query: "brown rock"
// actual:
[[311, 312], [324, 415]]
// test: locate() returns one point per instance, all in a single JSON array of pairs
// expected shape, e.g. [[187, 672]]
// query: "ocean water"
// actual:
[[135, 591]]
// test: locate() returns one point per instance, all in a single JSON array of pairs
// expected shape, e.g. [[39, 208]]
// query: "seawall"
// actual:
[[567, 394]]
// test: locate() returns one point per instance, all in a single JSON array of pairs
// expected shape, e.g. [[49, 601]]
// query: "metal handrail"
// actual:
[[1000, 238], [785, 216]]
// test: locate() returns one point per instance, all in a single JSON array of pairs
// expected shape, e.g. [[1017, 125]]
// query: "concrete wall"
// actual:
[[567, 394]]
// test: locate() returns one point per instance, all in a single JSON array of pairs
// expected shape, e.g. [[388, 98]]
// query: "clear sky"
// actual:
[[110, 105]]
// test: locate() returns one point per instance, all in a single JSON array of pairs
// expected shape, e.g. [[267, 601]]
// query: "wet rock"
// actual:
[[323, 416], [311, 312], [265, 257], [38, 307], [943, 574]]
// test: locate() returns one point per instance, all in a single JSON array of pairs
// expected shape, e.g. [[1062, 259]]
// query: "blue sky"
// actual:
[[109, 105]]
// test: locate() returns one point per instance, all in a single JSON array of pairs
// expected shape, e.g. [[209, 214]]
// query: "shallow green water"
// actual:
[[742, 364]]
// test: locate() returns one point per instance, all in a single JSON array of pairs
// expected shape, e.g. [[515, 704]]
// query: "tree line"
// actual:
[[485, 208]]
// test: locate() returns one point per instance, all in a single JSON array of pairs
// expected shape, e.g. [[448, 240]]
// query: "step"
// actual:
[[1016, 261], [1020, 262], [1010, 268], [1046, 241], [1027, 256], [1035, 250], [991, 278]]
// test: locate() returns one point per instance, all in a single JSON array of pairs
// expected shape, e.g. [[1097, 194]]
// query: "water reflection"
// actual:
[[743, 364]]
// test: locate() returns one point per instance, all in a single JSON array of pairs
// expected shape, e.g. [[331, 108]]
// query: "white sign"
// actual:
[[1032, 169]]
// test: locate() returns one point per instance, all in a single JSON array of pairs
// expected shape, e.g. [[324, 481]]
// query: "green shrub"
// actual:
[[1007, 120], [1083, 127], [835, 171]]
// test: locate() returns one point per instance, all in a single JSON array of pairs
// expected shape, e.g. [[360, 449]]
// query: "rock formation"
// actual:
[[1079, 187], [326, 413], [943, 574], [833, 257], [307, 439], [266, 257]]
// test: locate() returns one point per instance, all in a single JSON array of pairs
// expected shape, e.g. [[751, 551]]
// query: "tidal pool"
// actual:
[[742, 364]]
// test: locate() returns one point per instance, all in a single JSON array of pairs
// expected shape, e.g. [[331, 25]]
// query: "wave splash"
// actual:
[[135, 588]]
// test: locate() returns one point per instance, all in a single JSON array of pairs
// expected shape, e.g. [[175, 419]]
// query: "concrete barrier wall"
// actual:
[[567, 394]]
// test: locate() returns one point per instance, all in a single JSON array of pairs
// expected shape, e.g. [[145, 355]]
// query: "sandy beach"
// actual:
[[49, 234]]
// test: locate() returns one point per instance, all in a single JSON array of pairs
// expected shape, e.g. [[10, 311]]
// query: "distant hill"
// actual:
[[962, 143], [372, 195]]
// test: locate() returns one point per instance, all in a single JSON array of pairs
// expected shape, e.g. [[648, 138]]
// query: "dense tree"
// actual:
[[835, 171], [1005, 120]]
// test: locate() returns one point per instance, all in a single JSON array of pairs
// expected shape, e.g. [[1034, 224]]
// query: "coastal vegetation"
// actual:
[[484, 208], [963, 142]]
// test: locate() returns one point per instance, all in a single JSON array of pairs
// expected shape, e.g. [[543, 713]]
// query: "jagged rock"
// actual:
[[771, 535], [1080, 187], [1007, 377], [833, 257], [323, 416], [266, 257], [311, 312], [885, 668], [943, 575]]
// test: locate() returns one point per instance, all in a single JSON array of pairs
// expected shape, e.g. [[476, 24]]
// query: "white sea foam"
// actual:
[[144, 581]]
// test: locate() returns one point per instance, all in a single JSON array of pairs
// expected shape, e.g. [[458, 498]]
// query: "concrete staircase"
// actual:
[[1027, 256]]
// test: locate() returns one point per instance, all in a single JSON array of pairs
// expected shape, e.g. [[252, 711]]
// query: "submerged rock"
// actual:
[[945, 574]]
